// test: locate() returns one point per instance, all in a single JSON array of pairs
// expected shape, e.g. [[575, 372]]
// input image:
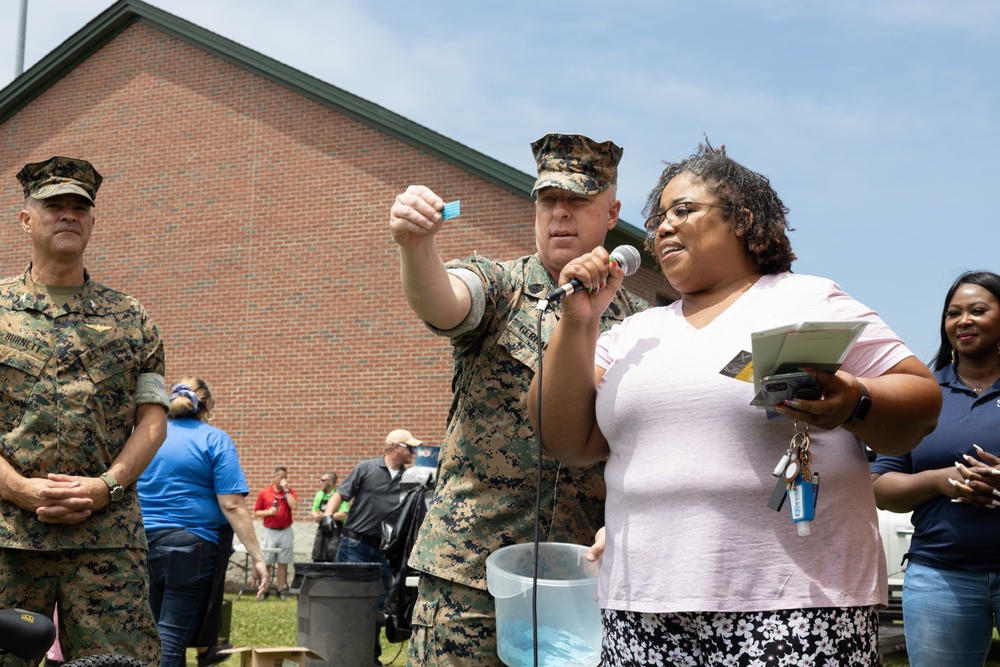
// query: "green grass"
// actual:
[[273, 623]]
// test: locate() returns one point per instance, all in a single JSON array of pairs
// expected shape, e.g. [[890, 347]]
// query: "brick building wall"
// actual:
[[251, 222]]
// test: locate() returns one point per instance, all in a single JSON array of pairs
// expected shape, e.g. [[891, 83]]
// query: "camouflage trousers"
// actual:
[[453, 626], [103, 598]]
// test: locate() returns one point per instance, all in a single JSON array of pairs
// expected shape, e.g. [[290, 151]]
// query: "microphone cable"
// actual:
[[538, 500], [629, 259]]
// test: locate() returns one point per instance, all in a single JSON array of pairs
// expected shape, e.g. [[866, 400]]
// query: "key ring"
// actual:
[[805, 456], [800, 440]]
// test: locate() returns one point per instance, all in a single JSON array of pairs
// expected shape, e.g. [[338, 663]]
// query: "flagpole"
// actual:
[[19, 67]]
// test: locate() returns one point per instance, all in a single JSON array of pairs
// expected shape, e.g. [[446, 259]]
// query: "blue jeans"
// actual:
[[181, 567], [356, 551], [949, 616]]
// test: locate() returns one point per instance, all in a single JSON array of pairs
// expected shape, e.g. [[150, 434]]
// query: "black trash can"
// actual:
[[337, 612]]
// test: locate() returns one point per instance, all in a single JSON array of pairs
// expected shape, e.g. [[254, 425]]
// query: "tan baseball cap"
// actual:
[[402, 437]]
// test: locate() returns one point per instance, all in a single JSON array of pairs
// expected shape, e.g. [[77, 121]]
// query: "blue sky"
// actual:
[[877, 121]]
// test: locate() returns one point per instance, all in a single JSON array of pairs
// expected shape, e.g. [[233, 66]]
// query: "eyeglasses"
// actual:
[[324, 480], [675, 216]]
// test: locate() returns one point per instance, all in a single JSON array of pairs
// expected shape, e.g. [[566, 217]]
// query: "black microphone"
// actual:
[[625, 256]]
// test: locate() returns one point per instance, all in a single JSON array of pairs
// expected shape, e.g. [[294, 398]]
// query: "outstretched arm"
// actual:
[[436, 297]]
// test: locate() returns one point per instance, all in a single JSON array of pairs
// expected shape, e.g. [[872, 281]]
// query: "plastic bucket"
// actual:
[[569, 620]]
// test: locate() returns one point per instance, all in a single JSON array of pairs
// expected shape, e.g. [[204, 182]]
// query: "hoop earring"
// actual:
[[209, 415]]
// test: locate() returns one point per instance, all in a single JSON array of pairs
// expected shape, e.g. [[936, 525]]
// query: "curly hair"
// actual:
[[989, 281], [748, 199]]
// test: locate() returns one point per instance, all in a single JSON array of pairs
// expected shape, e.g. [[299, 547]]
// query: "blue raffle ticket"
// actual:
[[452, 209]]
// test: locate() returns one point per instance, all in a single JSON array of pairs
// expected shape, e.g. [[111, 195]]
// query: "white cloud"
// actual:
[[860, 112]]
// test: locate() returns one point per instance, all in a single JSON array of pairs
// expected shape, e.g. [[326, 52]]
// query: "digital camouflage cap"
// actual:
[[576, 163], [60, 175]]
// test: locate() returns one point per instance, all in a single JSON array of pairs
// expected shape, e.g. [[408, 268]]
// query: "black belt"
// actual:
[[370, 541]]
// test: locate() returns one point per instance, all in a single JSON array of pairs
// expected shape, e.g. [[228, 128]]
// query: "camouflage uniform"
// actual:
[[70, 380], [485, 494]]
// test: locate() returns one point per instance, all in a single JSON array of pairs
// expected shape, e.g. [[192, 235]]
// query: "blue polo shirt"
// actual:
[[947, 535]]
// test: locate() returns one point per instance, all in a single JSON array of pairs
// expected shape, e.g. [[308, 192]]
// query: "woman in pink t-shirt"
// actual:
[[697, 568]]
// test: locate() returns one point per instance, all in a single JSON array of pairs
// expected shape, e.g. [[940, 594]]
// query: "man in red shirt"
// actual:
[[275, 504]]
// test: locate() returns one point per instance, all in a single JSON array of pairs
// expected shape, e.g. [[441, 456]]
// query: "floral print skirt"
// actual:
[[820, 637]]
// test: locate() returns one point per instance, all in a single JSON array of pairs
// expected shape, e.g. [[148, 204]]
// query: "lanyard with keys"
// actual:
[[796, 481]]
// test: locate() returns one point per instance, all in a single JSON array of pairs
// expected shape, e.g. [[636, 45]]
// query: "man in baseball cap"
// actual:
[[71, 530], [372, 489], [402, 437]]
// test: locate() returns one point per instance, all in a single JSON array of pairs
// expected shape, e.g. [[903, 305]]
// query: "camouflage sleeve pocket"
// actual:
[[520, 339]]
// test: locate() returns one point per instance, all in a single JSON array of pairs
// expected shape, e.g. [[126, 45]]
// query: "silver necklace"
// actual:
[[977, 388]]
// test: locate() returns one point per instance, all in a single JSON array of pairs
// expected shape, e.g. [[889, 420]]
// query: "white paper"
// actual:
[[820, 345]]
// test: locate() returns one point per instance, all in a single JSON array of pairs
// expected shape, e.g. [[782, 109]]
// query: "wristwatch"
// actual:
[[862, 408], [117, 490]]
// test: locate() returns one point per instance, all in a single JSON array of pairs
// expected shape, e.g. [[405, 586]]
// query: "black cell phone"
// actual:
[[789, 386]]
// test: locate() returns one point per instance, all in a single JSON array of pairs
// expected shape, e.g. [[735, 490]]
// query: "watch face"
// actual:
[[864, 405], [114, 488]]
